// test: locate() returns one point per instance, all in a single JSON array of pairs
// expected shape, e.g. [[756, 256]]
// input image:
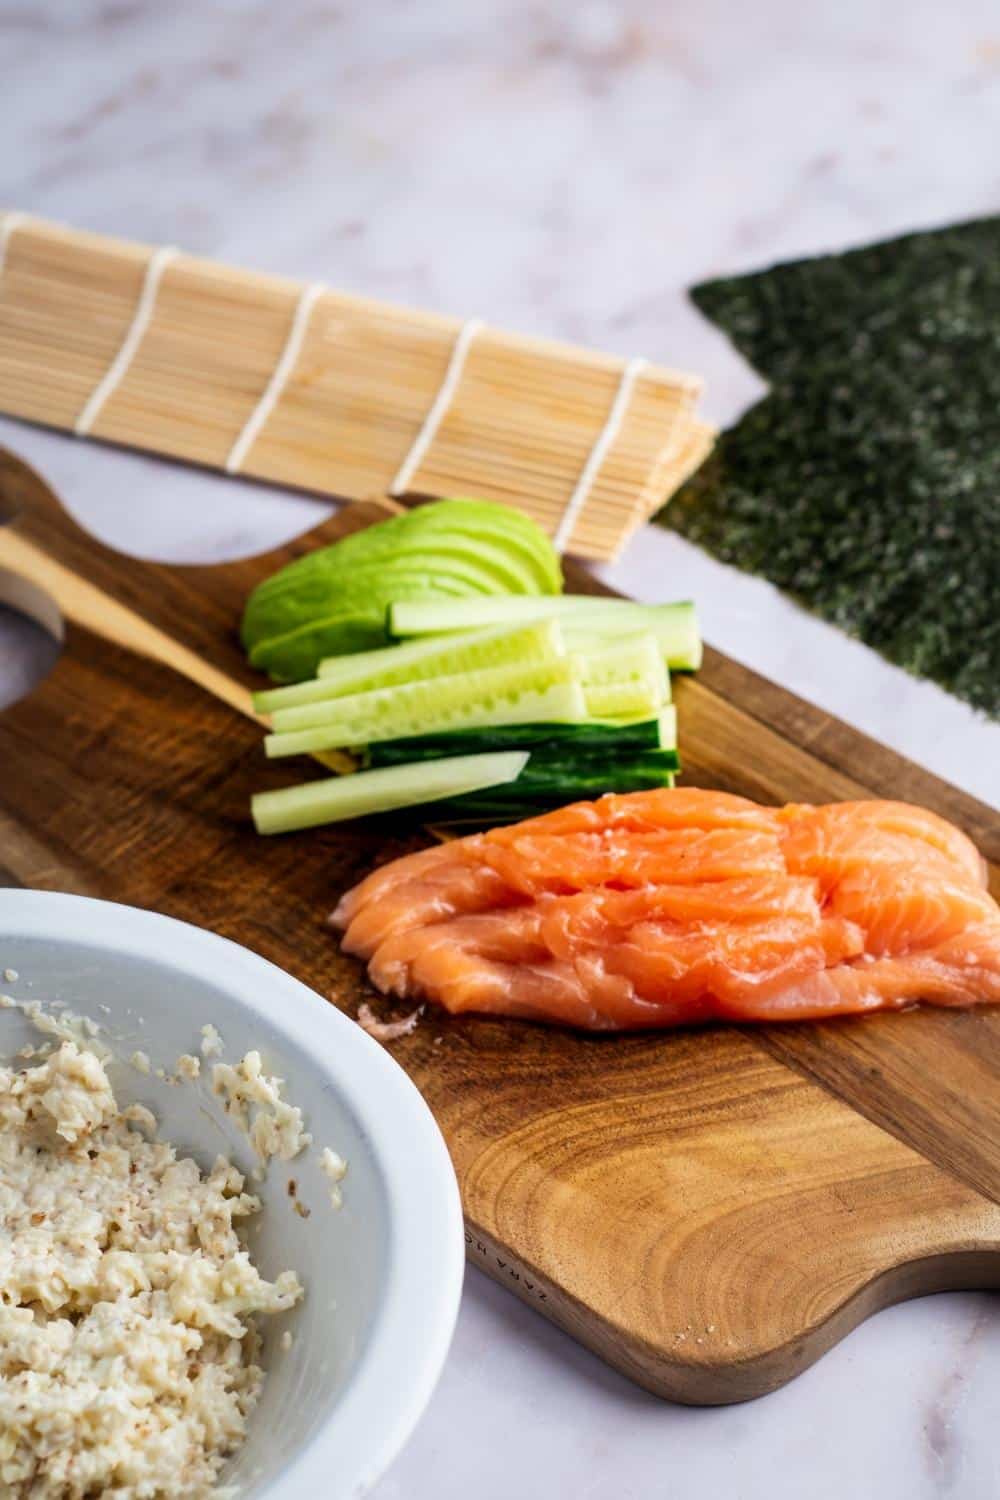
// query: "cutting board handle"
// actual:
[[41, 545]]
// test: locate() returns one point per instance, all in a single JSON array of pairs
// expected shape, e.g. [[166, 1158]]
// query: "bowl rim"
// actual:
[[361, 1434]]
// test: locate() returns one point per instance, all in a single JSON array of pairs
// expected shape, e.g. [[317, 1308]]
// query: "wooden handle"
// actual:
[[94, 610], [50, 562]]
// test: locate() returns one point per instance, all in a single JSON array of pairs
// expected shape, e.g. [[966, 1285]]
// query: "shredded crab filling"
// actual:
[[128, 1344]]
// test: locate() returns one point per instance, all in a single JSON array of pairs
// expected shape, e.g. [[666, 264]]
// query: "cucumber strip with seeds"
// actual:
[[631, 698], [500, 695], [624, 658], [435, 694], [627, 679], [439, 656], [418, 661], [337, 798]]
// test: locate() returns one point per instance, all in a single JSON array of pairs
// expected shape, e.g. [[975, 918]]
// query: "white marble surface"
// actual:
[[568, 168]]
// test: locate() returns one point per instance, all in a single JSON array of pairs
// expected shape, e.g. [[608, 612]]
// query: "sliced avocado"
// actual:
[[328, 602], [293, 657]]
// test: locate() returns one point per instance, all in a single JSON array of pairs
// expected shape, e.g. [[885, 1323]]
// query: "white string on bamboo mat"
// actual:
[[449, 385], [598, 453], [118, 368], [286, 364], [8, 224]]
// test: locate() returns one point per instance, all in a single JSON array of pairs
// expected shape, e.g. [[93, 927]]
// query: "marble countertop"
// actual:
[[567, 168]]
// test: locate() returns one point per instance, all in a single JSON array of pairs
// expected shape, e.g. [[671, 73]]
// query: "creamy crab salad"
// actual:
[[128, 1299]]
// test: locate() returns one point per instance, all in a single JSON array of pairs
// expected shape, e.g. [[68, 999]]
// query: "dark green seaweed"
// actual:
[[867, 483]]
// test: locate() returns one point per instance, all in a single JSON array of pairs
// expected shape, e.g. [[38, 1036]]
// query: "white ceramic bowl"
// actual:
[[383, 1274]]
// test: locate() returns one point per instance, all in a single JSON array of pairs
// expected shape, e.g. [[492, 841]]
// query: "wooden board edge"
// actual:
[[736, 1380]]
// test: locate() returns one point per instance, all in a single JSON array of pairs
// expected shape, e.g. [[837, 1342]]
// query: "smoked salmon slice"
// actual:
[[672, 907]]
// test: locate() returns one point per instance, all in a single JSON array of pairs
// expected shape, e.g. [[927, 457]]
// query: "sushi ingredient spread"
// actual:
[[335, 600], [670, 907], [446, 626], [583, 694], [127, 1299]]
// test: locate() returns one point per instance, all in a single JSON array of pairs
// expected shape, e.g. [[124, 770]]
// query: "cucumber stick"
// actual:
[[497, 695], [337, 798], [613, 740], [434, 694], [418, 660], [557, 771], [562, 776], [674, 625], [463, 651], [631, 696], [626, 679]]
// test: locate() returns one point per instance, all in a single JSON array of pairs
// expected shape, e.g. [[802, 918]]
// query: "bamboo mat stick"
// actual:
[[340, 395]]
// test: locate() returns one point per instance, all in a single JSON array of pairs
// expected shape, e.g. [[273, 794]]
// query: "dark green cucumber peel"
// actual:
[[554, 770], [487, 810], [567, 763], [616, 740]]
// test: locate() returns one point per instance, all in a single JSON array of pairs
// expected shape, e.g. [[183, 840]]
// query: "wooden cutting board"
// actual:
[[707, 1210]]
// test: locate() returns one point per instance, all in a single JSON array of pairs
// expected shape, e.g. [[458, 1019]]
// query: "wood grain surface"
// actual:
[[708, 1210]]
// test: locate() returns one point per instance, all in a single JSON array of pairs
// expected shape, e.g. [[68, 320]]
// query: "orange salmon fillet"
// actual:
[[674, 907]]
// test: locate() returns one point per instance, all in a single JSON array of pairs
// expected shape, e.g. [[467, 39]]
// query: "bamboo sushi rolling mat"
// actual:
[[307, 387]]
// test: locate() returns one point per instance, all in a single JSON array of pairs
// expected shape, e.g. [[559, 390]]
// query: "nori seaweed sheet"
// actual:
[[867, 483]]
